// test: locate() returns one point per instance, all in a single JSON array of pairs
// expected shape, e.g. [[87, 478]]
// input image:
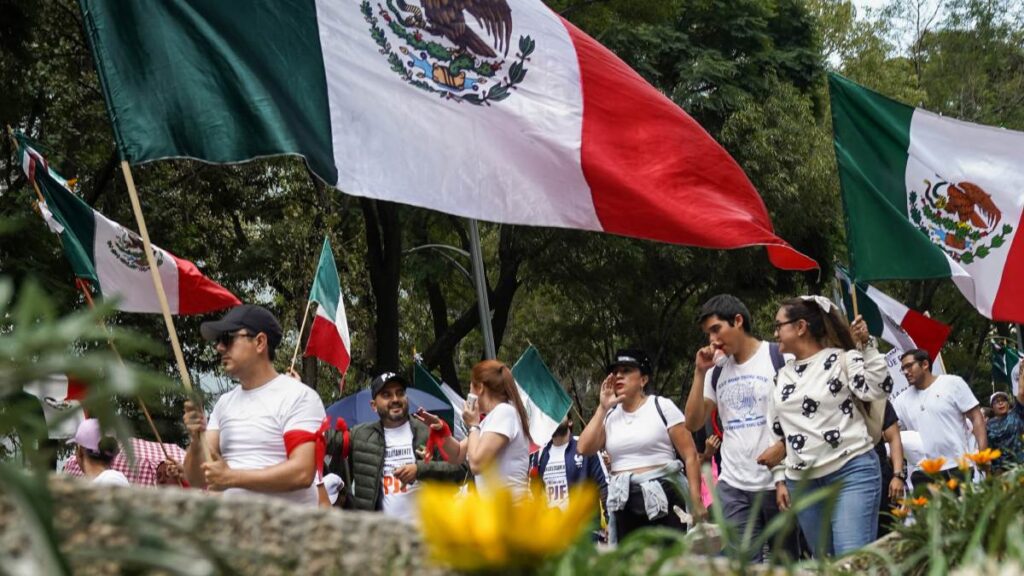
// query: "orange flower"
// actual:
[[901, 512], [952, 484], [965, 464], [933, 466], [920, 501], [983, 457]]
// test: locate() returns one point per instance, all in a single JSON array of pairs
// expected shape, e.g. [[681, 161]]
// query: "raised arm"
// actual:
[[593, 437], [697, 406]]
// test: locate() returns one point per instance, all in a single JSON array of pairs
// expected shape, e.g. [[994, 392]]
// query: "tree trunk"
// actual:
[[384, 263]]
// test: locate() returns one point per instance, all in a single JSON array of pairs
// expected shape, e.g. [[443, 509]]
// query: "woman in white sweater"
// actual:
[[814, 410]]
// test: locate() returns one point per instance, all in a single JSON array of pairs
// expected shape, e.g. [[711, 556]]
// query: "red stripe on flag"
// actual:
[[325, 343], [927, 334], [76, 389], [1008, 305], [655, 173], [198, 294]]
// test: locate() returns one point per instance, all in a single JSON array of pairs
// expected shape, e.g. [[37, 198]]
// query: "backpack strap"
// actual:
[[778, 360], [715, 375], [660, 413]]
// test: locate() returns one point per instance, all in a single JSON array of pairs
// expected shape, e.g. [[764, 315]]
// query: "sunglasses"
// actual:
[[228, 338]]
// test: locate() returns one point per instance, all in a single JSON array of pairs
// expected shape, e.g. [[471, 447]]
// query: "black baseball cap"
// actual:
[[253, 318], [384, 379], [634, 357]]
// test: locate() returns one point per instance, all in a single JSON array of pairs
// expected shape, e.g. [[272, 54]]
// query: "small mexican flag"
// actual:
[[891, 320], [424, 381], [930, 197], [543, 396], [111, 258], [1006, 366], [329, 339]]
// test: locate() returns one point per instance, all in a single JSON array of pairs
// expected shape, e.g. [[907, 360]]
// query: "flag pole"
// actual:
[[298, 343], [480, 281], [83, 286], [853, 296], [165, 308]]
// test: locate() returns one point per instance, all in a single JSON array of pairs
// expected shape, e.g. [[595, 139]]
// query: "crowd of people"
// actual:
[[776, 421]]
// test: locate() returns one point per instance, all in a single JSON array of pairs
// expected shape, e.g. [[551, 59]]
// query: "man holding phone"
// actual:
[[388, 457]]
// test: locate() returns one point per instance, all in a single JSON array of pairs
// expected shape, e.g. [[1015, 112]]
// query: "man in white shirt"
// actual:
[[737, 386], [262, 435], [939, 408]]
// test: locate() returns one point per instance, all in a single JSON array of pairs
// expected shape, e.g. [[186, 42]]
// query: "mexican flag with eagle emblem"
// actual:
[[498, 110], [930, 197]]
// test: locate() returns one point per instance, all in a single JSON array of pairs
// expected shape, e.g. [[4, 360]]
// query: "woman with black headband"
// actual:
[[645, 439]]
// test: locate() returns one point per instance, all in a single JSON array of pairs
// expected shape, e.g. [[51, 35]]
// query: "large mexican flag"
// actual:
[[931, 197], [497, 110]]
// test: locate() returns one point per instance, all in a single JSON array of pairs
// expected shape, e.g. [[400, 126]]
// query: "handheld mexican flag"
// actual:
[[329, 339], [1006, 366], [497, 110], [424, 381], [930, 197], [110, 257], [543, 396], [891, 320]]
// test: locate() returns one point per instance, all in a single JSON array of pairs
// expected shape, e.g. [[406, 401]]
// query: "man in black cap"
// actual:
[[262, 435], [389, 456]]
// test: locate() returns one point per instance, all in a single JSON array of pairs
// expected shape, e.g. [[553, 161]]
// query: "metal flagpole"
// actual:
[[480, 281]]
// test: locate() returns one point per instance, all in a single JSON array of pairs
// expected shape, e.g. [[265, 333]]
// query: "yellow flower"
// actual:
[[952, 484], [920, 501], [964, 464], [901, 512], [985, 456], [493, 531], [933, 466]]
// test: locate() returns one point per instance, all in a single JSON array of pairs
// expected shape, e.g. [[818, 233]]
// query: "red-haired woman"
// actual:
[[498, 449]]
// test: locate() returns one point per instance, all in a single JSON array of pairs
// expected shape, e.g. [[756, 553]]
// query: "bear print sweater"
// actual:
[[812, 409]]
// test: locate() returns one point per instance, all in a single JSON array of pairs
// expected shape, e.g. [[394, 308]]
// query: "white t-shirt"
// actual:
[[640, 439], [111, 478], [398, 451], [937, 412], [742, 400], [555, 483], [252, 425], [514, 459]]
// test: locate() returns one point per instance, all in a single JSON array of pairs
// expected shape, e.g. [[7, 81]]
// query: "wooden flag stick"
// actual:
[[158, 285], [83, 286], [298, 343], [853, 296]]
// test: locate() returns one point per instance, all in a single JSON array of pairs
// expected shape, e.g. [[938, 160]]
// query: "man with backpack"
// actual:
[[732, 380]]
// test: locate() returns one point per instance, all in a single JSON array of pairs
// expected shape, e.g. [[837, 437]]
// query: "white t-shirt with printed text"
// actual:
[[513, 460], [556, 485], [640, 439], [252, 425], [742, 398], [937, 413], [398, 451]]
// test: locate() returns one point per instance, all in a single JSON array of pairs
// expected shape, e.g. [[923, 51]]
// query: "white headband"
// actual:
[[825, 304]]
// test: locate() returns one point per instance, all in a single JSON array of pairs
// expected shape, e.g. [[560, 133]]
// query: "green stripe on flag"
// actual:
[[77, 218], [1004, 358], [215, 80], [872, 139], [537, 381], [326, 289], [424, 381]]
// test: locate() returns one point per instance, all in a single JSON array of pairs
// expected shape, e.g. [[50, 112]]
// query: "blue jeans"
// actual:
[[854, 520]]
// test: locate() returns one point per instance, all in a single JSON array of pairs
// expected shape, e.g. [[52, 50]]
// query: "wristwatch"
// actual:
[[473, 427], [901, 474]]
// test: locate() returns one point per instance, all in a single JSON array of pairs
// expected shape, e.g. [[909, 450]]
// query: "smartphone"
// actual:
[[471, 401]]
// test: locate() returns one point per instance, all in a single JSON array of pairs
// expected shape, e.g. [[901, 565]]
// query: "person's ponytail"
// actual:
[[497, 378]]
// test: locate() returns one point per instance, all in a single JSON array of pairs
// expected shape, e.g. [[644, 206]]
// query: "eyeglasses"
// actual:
[[778, 325], [906, 367], [228, 338]]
